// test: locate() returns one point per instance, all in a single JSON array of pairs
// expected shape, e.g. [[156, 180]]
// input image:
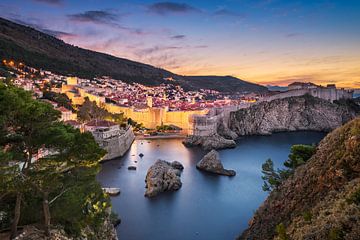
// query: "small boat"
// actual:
[[112, 191]]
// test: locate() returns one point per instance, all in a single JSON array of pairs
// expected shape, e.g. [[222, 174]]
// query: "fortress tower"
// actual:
[[71, 81], [149, 101]]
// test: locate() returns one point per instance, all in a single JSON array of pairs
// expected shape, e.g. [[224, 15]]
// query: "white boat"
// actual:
[[112, 191]]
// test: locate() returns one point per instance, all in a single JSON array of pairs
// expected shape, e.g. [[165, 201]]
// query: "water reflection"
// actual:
[[207, 206]]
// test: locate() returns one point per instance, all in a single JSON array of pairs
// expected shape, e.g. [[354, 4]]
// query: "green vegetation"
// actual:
[[281, 232], [57, 188], [354, 198], [272, 178], [349, 103], [299, 154], [164, 128], [307, 216], [90, 111], [336, 234], [136, 126], [60, 98]]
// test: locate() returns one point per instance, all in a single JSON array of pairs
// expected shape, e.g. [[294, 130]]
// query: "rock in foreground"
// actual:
[[209, 142], [211, 163], [163, 176]]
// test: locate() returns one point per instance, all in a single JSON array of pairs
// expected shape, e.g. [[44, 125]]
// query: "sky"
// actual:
[[264, 41]]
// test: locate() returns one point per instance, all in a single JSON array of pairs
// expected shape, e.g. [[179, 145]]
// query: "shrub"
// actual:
[[336, 234], [307, 216], [281, 232], [354, 198]]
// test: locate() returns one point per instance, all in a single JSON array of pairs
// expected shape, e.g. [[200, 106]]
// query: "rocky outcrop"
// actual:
[[292, 114], [163, 176], [34, 232], [209, 142], [322, 199], [177, 165], [225, 132], [211, 163]]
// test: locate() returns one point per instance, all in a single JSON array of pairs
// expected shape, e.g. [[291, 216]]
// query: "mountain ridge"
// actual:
[[41, 50]]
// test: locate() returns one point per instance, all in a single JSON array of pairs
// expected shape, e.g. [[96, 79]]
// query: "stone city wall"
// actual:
[[117, 146], [326, 93], [206, 125], [153, 117]]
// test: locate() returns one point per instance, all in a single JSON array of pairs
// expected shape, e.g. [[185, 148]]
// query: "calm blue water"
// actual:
[[207, 206]]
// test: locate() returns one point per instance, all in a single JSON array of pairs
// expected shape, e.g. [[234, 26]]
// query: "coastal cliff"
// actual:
[[292, 114], [321, 200]]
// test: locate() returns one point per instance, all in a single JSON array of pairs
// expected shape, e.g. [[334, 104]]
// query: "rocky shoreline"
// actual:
[[302, 113], [57, 232], [209, 142]]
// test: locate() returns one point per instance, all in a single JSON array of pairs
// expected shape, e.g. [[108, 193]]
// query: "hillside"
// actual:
[[223, 84], [322, 199], [41, 50], [275, 88]]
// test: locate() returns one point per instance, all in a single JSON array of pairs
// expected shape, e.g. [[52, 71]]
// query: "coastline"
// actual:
[[172, 136]]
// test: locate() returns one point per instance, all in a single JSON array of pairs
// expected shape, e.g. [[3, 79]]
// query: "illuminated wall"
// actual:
[[72, 81], [92, 97], [152, 117], [149, 117]]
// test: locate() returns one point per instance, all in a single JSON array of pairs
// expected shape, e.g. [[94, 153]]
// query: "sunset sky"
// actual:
[[264, 41]]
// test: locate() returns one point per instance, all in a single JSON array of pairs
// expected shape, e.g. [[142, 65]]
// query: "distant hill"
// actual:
[[277, 88], [41, 50], [223, 84]]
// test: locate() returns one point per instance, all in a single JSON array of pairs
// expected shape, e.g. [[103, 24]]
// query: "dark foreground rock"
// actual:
[[106, 231], [211, 163], [163, 176], [209, 142]]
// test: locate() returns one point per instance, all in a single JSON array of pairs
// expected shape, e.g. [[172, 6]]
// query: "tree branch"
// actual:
[[3, 195], [59, 195]]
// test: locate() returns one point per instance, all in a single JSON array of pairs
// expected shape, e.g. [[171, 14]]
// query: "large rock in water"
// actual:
[[209, 142], [211, 163], [292, 114], [163, 176]]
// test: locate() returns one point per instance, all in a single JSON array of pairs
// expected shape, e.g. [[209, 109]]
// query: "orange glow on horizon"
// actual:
[[344, 74]]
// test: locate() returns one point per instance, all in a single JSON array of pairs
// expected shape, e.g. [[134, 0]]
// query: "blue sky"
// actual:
[[265, 41]]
